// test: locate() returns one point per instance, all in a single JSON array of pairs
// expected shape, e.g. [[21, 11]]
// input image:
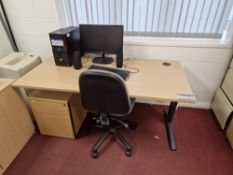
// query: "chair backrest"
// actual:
[[104, 92]]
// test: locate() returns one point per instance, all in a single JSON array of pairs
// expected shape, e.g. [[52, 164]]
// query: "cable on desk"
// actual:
[[136, 70], [125, 66]]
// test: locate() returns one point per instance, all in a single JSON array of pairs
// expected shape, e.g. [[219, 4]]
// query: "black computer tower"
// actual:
[[65, 42]]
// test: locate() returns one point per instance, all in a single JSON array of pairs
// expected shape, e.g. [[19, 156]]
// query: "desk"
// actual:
[[15, 129], [154, 81]]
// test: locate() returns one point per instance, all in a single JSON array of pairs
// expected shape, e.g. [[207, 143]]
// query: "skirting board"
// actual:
[[203, 105]]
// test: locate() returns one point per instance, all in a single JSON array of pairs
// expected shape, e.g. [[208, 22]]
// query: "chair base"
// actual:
[[103, 137], [114, 131]]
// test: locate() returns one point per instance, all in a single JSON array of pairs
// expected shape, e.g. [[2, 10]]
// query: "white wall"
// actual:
[[32, 20], [5, 47]]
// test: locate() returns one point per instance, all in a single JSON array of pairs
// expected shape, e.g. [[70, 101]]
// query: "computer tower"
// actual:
[[64, 43]]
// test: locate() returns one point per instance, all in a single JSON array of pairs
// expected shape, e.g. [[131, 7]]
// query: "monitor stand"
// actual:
[[103, 60]]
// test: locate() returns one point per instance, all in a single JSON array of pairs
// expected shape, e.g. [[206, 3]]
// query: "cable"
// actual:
[[136, 69], [133, 68]]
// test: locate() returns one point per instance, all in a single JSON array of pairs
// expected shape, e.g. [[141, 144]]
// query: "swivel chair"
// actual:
[[104, 93]]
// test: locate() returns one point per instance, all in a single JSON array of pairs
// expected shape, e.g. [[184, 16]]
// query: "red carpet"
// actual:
[[201, 149]]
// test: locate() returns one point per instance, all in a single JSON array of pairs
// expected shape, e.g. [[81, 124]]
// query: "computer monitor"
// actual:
[[103, 39]]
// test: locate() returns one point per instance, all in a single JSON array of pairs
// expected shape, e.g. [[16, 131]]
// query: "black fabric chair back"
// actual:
[[104, 92]]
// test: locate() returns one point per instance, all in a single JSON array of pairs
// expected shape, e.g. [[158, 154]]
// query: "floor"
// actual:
[[201, 149]]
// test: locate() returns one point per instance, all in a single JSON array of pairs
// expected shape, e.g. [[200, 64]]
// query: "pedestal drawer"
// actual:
[[221, 107], [57, 113], [227, 85], [55, 125], [50, 107], [230, 133]]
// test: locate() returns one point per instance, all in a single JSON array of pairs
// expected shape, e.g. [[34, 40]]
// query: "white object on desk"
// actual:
[[17, 64]]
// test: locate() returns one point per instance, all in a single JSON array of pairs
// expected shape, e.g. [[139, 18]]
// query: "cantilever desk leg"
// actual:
[[168, 122]]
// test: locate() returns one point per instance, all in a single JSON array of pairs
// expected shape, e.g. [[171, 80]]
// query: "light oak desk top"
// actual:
[[4, 82], [154, 81]]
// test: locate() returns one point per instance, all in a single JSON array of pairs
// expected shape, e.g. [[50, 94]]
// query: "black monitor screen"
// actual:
[[101, 38]]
